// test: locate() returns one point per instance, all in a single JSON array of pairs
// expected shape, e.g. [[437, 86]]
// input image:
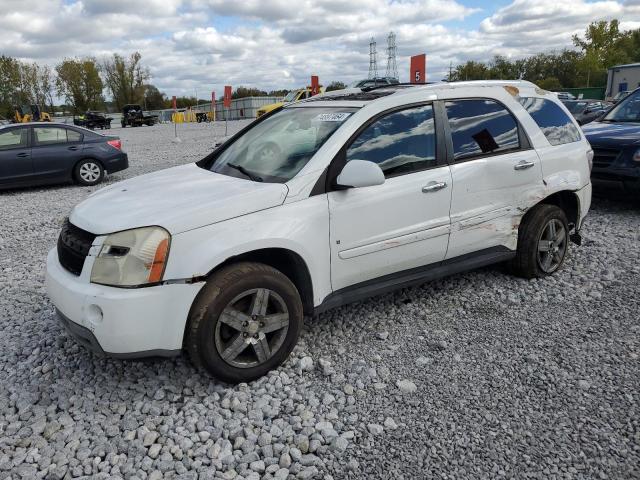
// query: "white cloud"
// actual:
[[205, 44]]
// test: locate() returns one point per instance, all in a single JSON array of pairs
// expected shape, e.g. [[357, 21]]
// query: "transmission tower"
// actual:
[[392, 67], [373, 62]]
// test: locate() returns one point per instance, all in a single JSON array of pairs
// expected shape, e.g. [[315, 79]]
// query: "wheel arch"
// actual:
[[286, 261], [569, 202]]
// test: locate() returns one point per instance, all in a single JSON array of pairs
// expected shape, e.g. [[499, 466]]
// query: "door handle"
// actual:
[[73, 148], [523, 165], [433, 187], [22, 155]]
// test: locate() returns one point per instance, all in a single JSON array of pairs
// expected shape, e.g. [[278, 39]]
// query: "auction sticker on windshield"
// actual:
[[333, 117]]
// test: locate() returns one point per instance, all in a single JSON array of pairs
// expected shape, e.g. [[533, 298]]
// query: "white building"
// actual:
[[622, 78]]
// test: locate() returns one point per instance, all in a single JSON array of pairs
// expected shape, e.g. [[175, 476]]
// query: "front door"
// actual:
[[403, 223], [15, 156], [495, 175]]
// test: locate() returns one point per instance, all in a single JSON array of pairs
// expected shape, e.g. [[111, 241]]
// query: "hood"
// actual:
[[612, 134], [178, 199]]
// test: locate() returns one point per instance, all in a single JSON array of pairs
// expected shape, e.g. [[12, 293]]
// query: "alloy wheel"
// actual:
[[251, 328], [552, 246]]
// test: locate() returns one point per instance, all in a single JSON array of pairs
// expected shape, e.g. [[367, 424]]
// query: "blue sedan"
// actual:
[[46, 153], [616, 145]]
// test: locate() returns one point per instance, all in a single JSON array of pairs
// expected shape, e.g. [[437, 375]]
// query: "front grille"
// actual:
[[73, 247], [604, 157]]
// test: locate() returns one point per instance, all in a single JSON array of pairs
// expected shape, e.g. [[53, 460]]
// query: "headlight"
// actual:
[[132, 258]]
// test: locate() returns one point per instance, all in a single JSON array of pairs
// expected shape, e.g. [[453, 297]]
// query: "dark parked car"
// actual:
[[615, 139], [585, 111], [43, 153]]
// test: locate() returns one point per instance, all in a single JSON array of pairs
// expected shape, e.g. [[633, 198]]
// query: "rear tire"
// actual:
[[244, 322], [88, 172], [543, 242]]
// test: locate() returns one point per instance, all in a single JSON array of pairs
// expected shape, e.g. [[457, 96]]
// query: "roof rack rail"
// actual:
[[393, 85]]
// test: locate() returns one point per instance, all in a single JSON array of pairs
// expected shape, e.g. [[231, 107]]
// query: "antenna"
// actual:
[[373, 63], [392, 67]]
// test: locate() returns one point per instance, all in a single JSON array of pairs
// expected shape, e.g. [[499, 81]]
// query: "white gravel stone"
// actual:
[[406, 386]]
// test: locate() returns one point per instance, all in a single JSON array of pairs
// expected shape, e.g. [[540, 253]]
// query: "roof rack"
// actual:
[[394, 85]]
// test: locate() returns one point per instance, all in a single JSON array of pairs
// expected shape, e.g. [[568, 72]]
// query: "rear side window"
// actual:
[[481, 127], [50, 135], [554, 123], [73, 136], [400, 142], [14, 138]]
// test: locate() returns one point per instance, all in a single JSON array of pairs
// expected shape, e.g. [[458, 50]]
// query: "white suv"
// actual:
[[317, 204]]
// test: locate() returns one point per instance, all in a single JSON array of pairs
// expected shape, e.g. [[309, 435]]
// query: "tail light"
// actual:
[[590, 159], [636, 156], [117, 144]]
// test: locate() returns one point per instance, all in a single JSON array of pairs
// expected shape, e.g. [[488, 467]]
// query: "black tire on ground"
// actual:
[[219, 293], [88, 172], [535, 225]]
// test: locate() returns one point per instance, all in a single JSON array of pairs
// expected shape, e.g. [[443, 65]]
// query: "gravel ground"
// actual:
[[480, 375]]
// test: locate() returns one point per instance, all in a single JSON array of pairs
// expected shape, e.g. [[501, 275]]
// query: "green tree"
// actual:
[[154, 99], [470, 70], [125, 78], [243, 92], [335, 86], [78, 81], [551, 83]]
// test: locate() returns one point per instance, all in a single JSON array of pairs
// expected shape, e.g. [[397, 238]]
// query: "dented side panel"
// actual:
[[489, 199]]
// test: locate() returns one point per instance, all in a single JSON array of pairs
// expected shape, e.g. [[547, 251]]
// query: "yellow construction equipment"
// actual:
[[29, 113]]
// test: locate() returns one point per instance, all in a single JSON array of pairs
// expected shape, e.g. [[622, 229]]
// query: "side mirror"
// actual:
[[360, 173]]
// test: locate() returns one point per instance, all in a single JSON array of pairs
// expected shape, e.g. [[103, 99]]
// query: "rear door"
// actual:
[[495, 175], [55, 151], [15, 156], [403, 223]]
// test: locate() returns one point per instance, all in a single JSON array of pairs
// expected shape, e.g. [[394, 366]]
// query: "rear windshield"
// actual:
[[275, 149], [552, 120]]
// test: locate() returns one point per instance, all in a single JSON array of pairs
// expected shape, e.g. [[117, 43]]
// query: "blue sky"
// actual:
[[202, 45]]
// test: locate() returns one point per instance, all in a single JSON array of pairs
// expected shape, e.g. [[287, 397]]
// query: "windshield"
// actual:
[[628, 110], [277, 148], [576, 107], [291, 96]]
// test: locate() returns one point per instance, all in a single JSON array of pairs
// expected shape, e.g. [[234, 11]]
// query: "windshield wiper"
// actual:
[[245, 172]]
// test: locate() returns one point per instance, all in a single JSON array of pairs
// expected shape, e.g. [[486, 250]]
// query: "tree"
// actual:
[[243, 92], [551, 83], [125, 78], [154, 99], [603, 40], [335, 86], [470, 71], [78, 81], [9, 81]]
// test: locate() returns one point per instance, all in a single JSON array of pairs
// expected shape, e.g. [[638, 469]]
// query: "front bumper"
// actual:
[[120, 322]]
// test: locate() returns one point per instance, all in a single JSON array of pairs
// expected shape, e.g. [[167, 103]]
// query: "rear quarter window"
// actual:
[[552, 120]]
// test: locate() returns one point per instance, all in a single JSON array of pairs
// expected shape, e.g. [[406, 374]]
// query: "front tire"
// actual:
[[88, 172], [543, 242], [244, 323]]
